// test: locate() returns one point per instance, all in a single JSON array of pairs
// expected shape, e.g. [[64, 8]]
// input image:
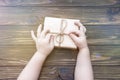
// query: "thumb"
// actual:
[[73, 37]]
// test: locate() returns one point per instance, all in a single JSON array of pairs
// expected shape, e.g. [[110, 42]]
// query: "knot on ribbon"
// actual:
[[60, 36]]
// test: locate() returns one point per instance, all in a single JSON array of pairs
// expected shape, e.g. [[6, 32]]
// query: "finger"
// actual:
[[52, 40], [44, 33], [48, 37], [84, 29], [33, 35], [76, 32], [77, 24], [80, 26], [73, 37], [82, 34], [39, 30]]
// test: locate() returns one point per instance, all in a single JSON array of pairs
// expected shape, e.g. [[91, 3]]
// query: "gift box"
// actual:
[[60, 27]]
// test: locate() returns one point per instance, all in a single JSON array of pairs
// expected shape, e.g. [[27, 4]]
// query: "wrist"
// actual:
[[41, 55], [43, 52], [85, 46], [84, 49]]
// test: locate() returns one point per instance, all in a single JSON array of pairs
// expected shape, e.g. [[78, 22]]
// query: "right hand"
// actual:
[[44, 41], [78, 36]]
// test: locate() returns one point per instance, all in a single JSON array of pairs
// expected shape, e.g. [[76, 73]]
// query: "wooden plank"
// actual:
[[20, 55], [9, 73], [102, 19], [35, 15], [97, 35], [64, 72], [58, 2]]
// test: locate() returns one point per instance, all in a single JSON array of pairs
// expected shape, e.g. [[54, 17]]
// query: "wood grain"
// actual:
[[35, 15], [97, 35], [101, 18], [59, 2], [64, 72], [20, 55]]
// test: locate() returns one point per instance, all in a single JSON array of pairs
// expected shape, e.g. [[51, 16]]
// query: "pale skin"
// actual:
[[83, 69]]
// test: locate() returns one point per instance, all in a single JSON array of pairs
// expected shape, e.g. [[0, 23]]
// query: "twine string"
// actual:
[[60, 36]]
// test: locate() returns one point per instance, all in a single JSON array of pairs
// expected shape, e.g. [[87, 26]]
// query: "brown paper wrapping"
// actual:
[[59, 27]]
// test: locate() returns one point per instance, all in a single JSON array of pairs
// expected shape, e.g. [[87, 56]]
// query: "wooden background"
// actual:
[[101, 18]]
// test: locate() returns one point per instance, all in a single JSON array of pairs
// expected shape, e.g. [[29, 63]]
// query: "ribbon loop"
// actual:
[[60, 36]]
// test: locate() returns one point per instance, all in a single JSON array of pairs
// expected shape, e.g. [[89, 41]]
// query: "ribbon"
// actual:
[[60, 36]]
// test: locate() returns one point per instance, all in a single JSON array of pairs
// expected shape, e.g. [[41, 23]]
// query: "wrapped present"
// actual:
[[59, 27]]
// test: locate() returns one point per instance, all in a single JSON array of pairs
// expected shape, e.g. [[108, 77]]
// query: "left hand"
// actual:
[[44, 41], [78, 36]]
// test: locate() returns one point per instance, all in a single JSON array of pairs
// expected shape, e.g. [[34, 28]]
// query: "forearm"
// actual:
[[83, 69], [33, 68]]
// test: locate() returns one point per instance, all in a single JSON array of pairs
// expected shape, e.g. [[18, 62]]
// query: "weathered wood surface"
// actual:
[[19, 55], [101, 18], [97, 35], [59, 3], [106, 62], [35, 15], [66, 72]]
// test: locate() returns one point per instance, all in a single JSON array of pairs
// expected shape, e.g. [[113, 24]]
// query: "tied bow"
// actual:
[[60, 36]]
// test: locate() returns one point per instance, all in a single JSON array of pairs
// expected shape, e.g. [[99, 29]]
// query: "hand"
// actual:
[[78, 36], [44, 41]]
